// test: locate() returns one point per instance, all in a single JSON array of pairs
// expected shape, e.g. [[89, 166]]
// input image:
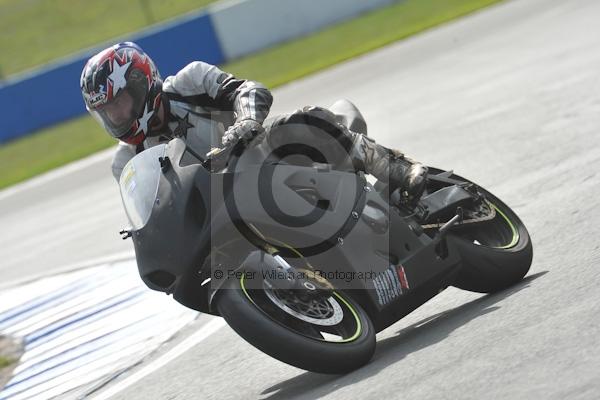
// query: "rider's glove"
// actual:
[[244, 130]]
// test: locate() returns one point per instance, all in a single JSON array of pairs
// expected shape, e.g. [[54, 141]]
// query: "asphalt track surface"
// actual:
[[508, 97]]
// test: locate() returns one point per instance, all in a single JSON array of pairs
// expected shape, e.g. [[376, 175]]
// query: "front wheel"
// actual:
[[330, 335]]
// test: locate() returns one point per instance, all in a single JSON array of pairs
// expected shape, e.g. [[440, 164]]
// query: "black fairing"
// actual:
[[167, 246], [355, 227]]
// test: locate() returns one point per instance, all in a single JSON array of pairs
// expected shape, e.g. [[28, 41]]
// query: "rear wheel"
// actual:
[[328, 335], [496, 254]]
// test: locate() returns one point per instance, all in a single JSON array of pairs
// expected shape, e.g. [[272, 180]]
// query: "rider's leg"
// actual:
[[389, 166], [320, 129]]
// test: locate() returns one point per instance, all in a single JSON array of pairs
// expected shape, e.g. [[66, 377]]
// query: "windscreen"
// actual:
[[139, 185]]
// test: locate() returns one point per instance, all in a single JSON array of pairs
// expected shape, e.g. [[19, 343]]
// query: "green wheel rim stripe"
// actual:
[[356, 318], [515, 232], [354, 313], [244, 289]]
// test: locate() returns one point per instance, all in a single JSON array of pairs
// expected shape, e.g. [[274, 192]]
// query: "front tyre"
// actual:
[[331, 336]]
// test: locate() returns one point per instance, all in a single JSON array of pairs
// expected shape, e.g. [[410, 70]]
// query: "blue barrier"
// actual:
[[53, 95]]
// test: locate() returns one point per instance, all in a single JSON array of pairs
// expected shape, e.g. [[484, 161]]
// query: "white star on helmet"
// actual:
[[117, 76], [143, 122]]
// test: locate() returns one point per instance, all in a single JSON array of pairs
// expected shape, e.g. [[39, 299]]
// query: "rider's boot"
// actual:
[[390, 166]]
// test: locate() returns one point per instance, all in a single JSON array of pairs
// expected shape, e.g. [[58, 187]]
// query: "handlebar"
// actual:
[[218, 157]]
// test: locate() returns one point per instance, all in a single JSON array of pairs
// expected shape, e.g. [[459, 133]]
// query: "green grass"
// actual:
[[34, 32], [5, 362], [50, 148], [66, 142]]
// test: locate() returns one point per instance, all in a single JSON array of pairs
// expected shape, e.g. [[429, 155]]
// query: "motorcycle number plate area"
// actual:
[[422, 269], [391, 284]]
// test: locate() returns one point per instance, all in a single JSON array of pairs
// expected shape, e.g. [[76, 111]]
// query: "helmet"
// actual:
[[121, 88]]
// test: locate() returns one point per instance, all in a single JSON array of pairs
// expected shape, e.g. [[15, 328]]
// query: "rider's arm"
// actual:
[[124, 153], [248, 99], [207, 85]]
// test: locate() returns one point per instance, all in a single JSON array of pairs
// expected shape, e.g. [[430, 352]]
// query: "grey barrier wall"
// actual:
[[246, 26]]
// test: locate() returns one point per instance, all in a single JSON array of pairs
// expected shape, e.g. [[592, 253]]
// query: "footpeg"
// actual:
[[441, 249]]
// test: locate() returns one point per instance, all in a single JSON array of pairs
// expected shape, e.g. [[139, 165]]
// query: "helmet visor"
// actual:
[[118, 115]]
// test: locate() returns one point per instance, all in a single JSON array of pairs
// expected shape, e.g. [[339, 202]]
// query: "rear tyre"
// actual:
[[334, 336], [495, 254]]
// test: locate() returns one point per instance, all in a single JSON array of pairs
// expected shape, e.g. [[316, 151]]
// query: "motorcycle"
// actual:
[[304, 261]]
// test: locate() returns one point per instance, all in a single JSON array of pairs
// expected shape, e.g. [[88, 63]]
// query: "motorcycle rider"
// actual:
[[203, 105]]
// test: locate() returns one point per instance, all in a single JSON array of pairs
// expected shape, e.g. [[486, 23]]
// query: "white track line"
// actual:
[[111, 259], [57, 173], [204, 332]]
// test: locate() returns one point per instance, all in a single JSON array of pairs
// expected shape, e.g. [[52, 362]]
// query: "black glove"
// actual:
[[244, 130]]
